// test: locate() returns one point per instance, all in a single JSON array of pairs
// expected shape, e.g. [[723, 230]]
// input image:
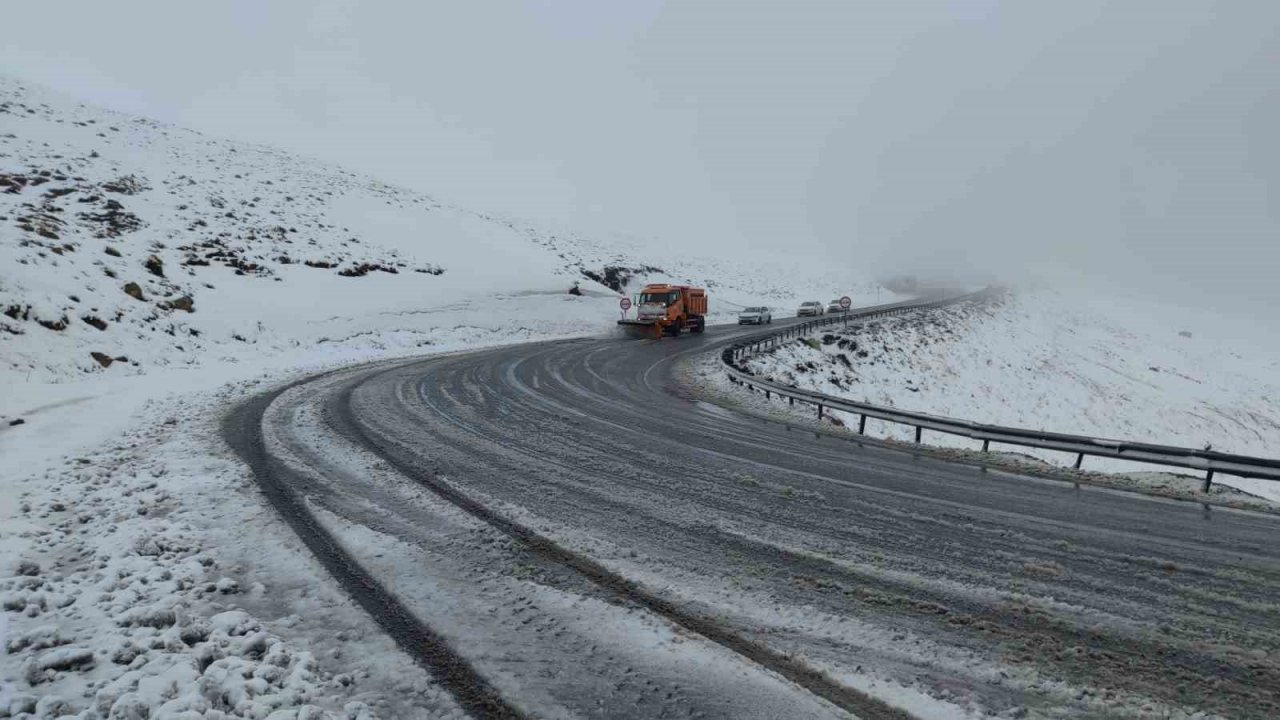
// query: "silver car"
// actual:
[[810, 308], [834, 307], [755, 316]]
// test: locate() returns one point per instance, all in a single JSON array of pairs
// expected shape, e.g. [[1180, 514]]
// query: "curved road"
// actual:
[[570, 529]]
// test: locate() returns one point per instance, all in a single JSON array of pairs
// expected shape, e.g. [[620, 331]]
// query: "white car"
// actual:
[[812, 307], [755, 316], [834, 307]]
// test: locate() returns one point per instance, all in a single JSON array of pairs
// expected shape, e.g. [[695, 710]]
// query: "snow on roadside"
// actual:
[[1058, 361], [135, 585], [160, 520]]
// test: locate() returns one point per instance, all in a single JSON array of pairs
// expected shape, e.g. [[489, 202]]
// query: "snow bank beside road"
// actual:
[[1066, 362], [162, 483], [134, 584]]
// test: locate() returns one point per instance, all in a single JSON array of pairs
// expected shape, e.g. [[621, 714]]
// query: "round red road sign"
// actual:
[[845, 302], [625, 303]]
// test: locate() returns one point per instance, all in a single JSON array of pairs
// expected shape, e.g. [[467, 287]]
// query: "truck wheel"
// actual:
[[676, 327], [698, 325]]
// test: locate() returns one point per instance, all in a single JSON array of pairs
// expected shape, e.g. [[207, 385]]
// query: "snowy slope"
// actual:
[[199, 271], [128, 238], [234, 251], [1062, 361]]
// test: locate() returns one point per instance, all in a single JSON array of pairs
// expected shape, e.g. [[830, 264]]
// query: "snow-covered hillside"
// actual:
[[150, 277], [127, 245], [1063, 361]]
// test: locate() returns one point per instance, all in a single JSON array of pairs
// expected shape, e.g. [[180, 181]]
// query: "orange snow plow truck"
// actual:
[[668, 310]]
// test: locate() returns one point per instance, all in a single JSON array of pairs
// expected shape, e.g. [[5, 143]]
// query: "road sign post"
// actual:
[[845, 304], [625, 304]]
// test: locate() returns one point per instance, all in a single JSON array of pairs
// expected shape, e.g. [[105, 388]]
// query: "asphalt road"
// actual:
[[570, 529]]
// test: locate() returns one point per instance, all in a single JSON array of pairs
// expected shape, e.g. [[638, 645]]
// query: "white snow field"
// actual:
[[1065, 361], [149, 278]]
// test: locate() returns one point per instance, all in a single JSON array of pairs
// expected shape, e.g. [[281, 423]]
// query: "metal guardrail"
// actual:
[[1207, 461]]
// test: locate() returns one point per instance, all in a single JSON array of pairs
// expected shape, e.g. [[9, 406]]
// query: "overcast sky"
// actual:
[[1127, 141]]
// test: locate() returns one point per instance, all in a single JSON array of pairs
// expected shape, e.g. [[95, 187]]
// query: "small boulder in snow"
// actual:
[[52, 706], [130, 707], [40, 638], [196, 632], [183, 303], [103, 359], [68, 658], [134, 291], [155, 546], [255, 646], [207, 654], [126, 653], [311, 712], [47, 665], [156, 617], [28, 567], [22, 704], [234, 623]]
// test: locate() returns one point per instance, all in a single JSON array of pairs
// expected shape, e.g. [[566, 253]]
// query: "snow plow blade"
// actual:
[[640, 328]]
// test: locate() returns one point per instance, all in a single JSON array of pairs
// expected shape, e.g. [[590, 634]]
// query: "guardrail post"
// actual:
[[918, 431], [791, 401], [1208, 480], [862, 425], [819, 411], [1079, 459], [985, 445], [767, 395]]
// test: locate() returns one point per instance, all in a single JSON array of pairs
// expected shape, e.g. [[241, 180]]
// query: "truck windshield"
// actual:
[[663, 298]]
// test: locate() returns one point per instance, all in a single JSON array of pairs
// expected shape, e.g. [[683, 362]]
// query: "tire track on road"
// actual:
[[242, 428], [816, 682]]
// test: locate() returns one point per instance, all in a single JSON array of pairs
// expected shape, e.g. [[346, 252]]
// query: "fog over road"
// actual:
[[574, 529]]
